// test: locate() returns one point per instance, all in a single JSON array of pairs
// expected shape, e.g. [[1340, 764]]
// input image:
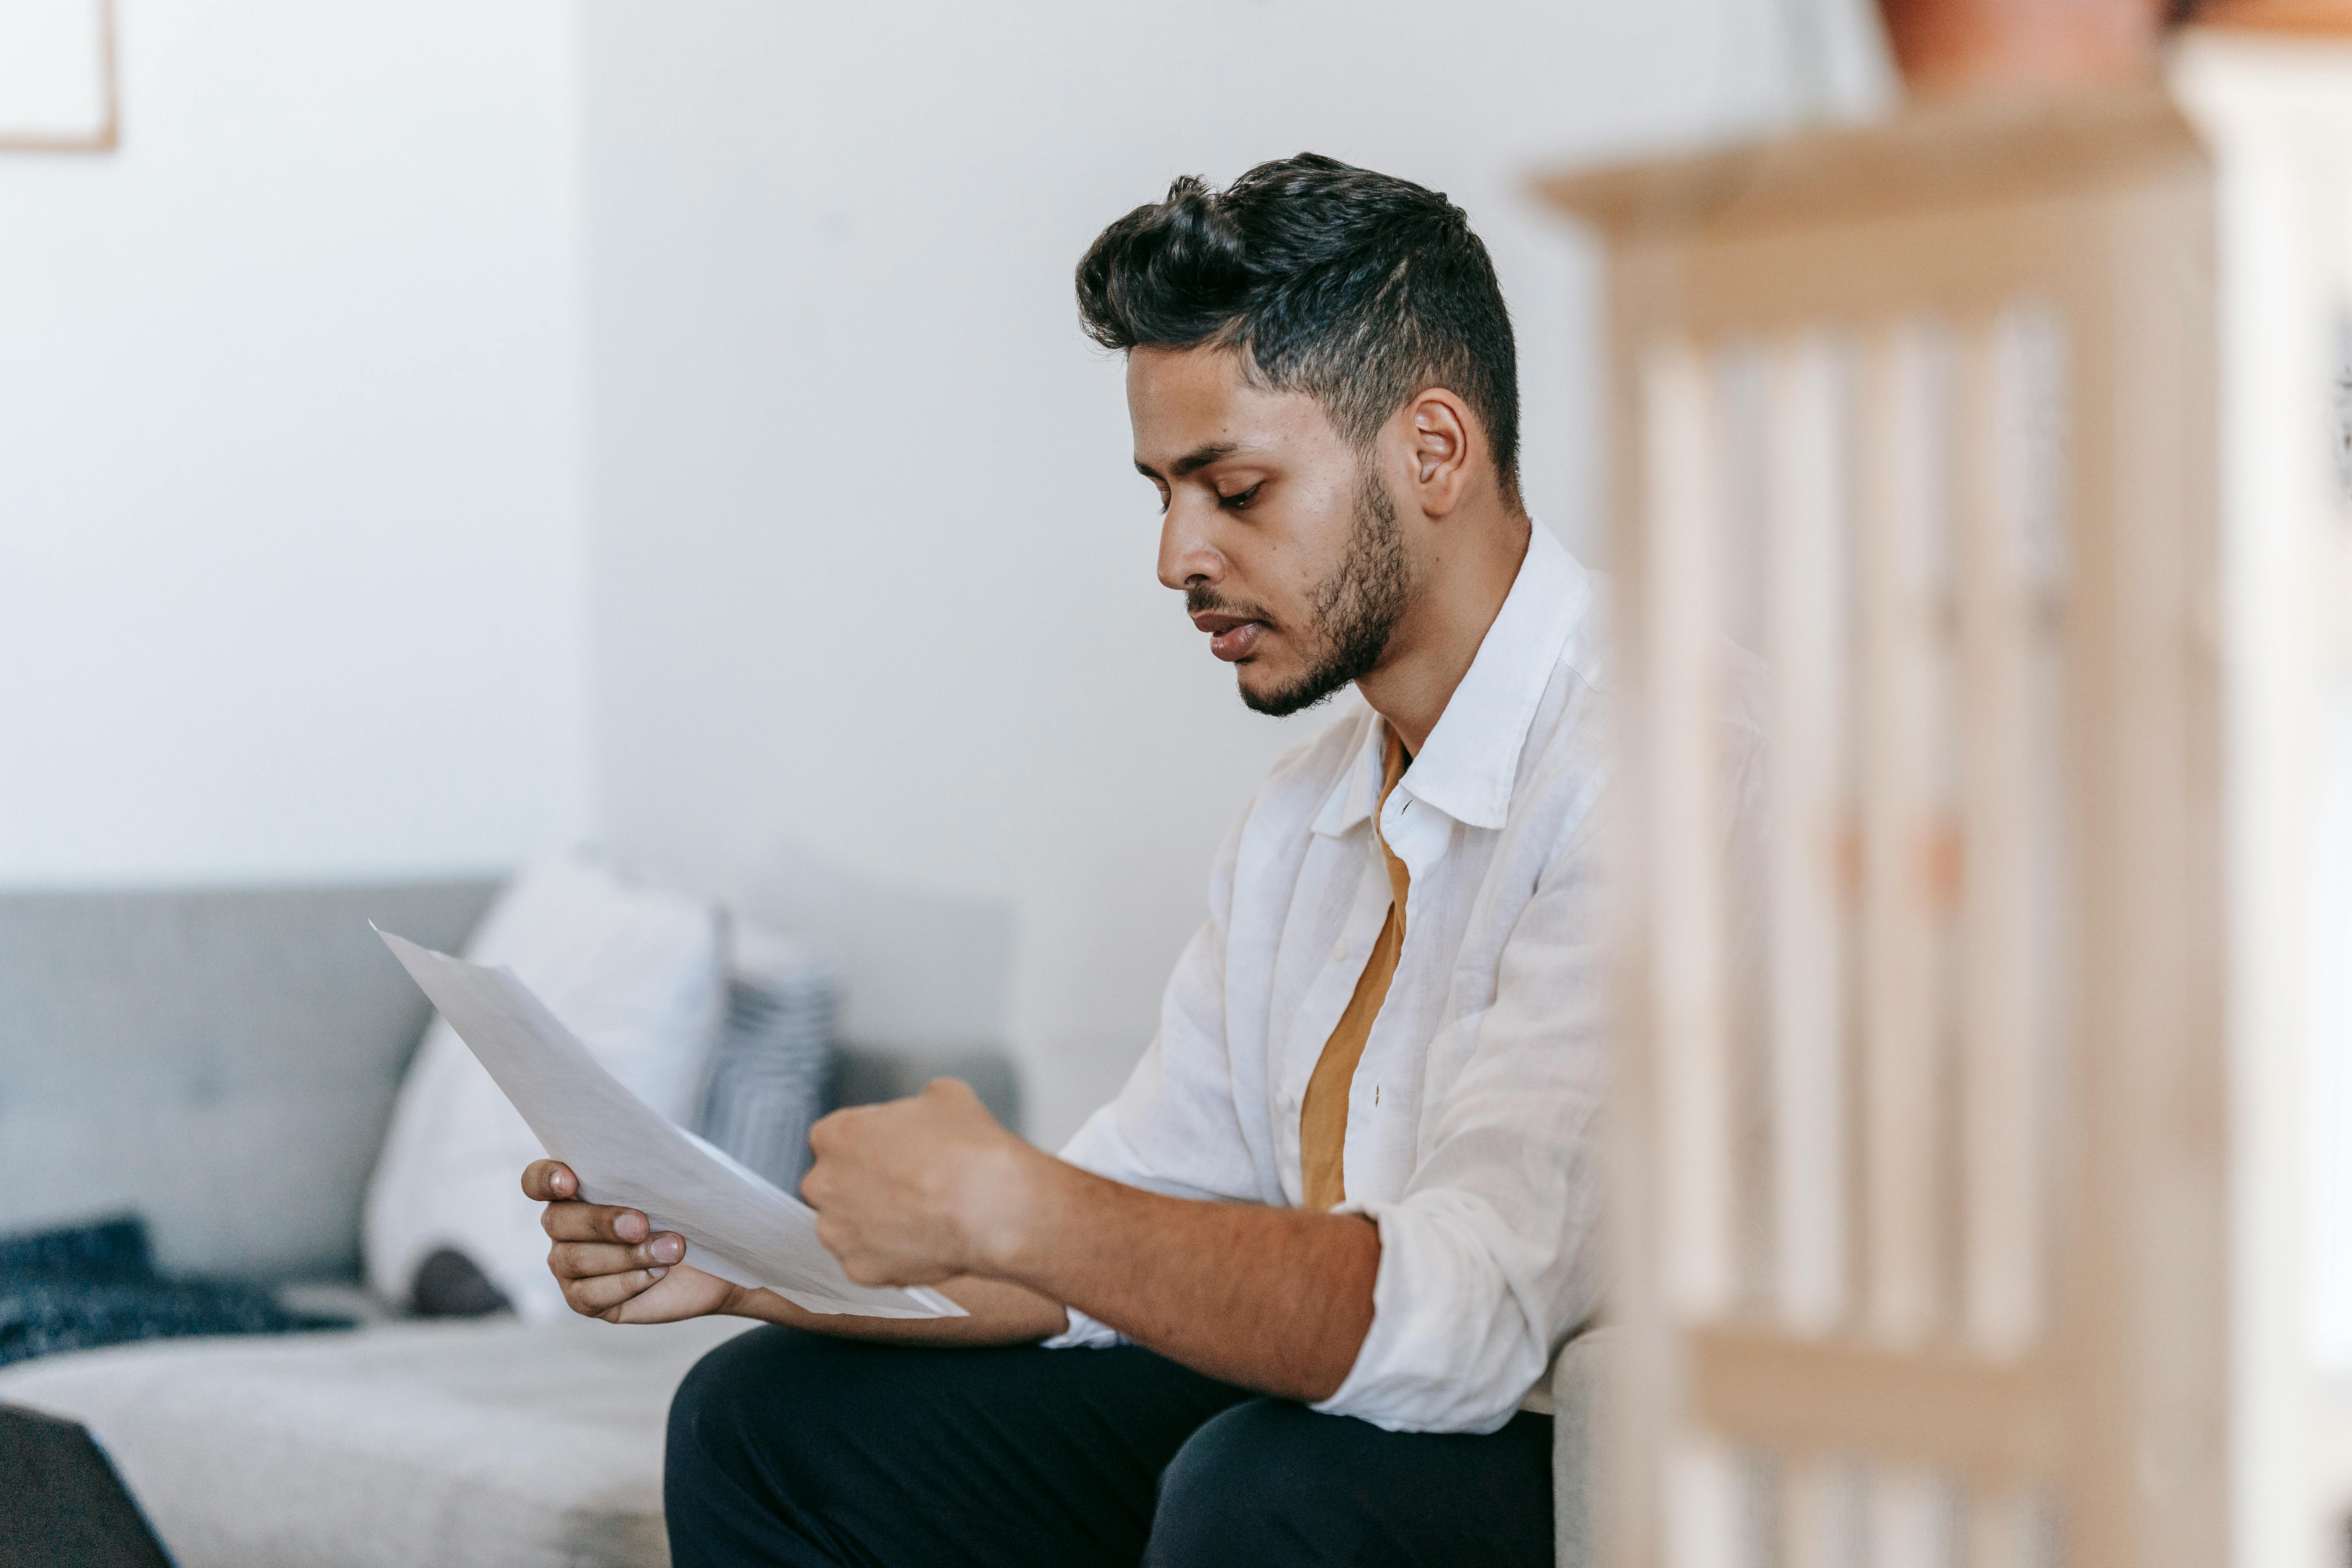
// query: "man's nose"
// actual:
[[1185, 550]]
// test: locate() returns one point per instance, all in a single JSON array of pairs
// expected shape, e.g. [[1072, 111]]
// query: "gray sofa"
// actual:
[[222, 1062], [225, 1063]]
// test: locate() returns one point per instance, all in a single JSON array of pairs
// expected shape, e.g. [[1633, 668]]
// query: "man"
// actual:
[[1290, 1298]]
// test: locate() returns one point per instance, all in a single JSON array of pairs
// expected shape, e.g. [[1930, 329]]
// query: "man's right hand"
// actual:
[[608, 1264]]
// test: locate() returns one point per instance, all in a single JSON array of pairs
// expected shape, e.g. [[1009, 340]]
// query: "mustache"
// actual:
[[1200, 599]]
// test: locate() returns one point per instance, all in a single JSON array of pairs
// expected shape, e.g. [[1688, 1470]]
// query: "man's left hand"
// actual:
[[919, 1190]]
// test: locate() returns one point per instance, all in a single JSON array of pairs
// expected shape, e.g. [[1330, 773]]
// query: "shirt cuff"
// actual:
[[1085, 1333], [1451, 1348]]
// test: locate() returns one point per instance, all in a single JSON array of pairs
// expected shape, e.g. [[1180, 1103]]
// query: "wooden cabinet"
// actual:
[[1923, 1212]]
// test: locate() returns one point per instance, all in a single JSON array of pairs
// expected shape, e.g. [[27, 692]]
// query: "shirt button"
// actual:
[[1339, 949]]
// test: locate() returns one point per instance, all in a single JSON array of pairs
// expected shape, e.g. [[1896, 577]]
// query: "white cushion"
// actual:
[[477, 1445], [638, 973]]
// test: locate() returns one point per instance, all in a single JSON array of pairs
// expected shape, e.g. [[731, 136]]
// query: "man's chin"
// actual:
[[1263, 691]]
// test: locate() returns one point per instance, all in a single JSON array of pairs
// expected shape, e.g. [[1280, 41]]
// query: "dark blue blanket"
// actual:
[[89, 1285]]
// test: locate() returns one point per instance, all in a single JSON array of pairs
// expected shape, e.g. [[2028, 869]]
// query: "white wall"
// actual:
[[291, 551], [878, 642], [346, 531]]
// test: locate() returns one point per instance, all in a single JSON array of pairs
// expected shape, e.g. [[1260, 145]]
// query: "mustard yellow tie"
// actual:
[[1323, 1115]]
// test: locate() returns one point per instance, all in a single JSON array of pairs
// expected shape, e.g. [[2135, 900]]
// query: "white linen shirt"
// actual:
[[1473, 1137]]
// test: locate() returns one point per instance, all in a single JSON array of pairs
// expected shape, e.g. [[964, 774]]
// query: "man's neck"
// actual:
[[1434, 643]]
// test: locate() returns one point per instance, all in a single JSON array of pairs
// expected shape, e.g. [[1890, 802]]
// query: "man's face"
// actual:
[[1284, 541]]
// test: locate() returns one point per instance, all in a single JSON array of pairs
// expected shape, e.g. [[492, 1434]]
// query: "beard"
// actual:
[[1353, 610]]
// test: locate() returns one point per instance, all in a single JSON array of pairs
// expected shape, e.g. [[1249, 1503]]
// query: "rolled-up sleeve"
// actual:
[[1491, 1257]]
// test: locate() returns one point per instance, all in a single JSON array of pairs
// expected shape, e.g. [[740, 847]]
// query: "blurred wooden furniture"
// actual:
[[1923, 1203], [2275, 108]]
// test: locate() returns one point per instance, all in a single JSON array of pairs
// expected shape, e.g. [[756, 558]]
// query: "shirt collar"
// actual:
[[1472, 759]]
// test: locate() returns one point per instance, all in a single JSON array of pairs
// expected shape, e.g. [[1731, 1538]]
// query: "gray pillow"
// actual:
[[449, 1286]]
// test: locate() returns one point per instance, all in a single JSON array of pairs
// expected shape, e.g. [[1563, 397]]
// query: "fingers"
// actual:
[[829, 1126], [830, 1235], [547, 1181], [602, 1257], [836, 1238], [594, 1222], [589, 1260], [599, 1277], [566, 1218], [599, 1294]]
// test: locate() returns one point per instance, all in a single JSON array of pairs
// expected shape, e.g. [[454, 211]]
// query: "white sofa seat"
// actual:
[[442, 1445], [454, 1445]]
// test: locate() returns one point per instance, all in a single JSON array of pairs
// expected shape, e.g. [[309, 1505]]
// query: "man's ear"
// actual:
[[1441, 446]]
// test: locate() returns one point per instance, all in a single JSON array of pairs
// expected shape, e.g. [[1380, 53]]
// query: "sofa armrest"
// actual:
[[1579, 1378]]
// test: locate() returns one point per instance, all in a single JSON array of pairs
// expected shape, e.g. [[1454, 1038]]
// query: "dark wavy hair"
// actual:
[[1360, 289]]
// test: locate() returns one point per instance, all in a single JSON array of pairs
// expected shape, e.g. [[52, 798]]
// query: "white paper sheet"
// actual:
[[736, 1225]]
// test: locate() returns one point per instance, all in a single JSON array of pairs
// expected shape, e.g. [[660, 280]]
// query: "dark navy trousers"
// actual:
[[792, 1449]]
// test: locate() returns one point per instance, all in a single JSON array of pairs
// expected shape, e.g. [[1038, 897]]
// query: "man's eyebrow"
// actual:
[[1191, 462]]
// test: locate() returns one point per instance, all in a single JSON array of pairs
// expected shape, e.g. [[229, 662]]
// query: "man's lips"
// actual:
[[1230, 637]]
